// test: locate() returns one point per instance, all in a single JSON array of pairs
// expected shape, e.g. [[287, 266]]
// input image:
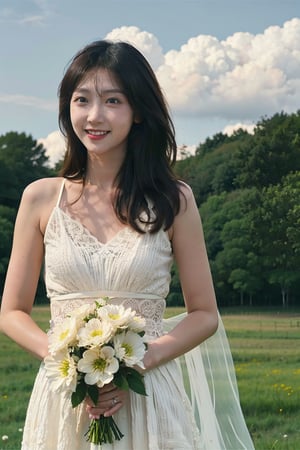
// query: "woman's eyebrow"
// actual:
[[111, 91], [83, 90]]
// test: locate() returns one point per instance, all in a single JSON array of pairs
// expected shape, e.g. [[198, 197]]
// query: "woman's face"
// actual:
[[101, 115]]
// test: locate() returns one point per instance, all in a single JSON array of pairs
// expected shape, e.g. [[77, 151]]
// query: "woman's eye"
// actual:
[[113, 100], [80, 100]]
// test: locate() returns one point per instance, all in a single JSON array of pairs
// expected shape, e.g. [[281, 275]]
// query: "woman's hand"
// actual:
[[110, 400]]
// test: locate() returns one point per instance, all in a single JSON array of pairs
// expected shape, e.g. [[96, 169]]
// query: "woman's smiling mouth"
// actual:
[[96, 134]]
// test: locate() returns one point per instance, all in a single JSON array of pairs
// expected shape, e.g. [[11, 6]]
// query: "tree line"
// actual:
[[22, 160], [247, 187]]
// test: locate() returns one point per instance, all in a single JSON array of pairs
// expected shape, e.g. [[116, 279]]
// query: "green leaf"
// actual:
[[79, 395], [93, 393], [136, 382], [120, 381]]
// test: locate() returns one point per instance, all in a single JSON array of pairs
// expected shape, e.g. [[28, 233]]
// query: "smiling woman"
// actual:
[[110, 227], [101, 114]]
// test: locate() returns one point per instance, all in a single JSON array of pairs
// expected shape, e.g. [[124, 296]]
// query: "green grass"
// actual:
[[18, 370], [265, 349]]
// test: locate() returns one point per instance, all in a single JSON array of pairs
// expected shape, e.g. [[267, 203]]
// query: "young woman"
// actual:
[[111, 226]]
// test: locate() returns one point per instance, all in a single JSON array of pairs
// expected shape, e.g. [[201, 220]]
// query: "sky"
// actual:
[[222, 64]]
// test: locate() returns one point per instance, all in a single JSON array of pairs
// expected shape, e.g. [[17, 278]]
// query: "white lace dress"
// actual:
[[181, 410]]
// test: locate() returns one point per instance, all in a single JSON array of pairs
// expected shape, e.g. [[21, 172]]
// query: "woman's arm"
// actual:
[[197, 286], [23, 274]]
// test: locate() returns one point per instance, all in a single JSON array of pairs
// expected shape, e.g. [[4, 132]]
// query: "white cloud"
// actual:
[[230, 129], [38, 17], [240, 78], [145, 42], [55, 147], [235, 81], [184, 151], [32, 20], [26, 100]]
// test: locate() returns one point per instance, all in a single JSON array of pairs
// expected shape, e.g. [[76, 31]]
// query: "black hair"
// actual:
[[145, 177]]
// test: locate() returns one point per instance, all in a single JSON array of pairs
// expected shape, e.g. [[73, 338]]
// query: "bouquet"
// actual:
[[97, 344]]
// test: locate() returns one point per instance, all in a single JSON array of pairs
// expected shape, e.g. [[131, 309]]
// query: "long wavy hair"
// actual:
[[145, 177]]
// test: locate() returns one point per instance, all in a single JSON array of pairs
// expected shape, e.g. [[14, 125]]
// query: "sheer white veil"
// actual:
[[210, 381]]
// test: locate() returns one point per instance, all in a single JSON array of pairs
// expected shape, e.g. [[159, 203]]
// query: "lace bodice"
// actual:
[[131, 268]]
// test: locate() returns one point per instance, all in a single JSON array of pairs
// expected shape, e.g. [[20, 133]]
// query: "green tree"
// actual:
[[175, 297], [213, 169], [238, 260], [7, 218], [272, 153], [276, 222], [214, 217], [226, 230], [247, 187], [22, 161]]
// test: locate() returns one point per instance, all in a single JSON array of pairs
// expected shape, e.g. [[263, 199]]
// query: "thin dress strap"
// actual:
[[60, 192]]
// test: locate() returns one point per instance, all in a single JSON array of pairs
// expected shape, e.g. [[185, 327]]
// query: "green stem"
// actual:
[[103, 431]]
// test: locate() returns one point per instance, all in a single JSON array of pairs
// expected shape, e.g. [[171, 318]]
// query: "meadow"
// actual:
[[265, 349]]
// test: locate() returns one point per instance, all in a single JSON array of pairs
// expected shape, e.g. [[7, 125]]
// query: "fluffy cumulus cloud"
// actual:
[[145, 42], [230, 129], [54, 144], [235, 81], [241, 78]]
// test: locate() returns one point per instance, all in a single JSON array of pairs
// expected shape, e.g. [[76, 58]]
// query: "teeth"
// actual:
[[97, 133]]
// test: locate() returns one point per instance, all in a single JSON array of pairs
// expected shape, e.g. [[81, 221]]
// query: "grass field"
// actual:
[[267, 361], [266, 353]]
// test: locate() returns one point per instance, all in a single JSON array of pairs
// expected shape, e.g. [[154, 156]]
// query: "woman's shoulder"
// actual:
[[186, 196], [39, 198], [42, 190], [185, 189], [186, 203]]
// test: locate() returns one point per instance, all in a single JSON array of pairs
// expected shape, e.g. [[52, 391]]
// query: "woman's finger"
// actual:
[[109, 402]]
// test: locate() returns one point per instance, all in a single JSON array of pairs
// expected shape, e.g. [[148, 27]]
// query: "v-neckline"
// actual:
[[125, 229]]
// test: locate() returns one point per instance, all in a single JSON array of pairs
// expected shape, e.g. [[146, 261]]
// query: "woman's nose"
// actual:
[[96, 111]]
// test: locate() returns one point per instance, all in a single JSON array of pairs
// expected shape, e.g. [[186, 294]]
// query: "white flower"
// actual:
[[130, 348], [94, 333], [117, 315], [63, 335], [99, 365], [61, 370], [101, 301], [137, 324], [82, 312], [4, 437]]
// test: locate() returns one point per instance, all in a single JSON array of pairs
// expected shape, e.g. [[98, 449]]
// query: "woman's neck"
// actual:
[[102, 173]]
